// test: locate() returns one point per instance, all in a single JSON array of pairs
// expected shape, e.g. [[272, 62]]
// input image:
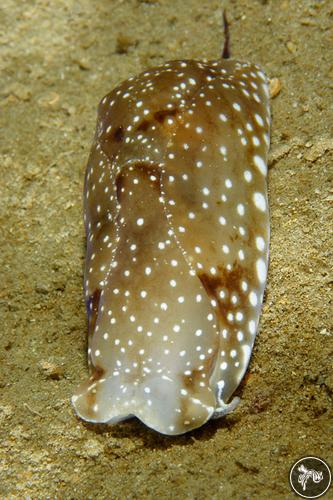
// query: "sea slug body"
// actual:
[[177, 226]]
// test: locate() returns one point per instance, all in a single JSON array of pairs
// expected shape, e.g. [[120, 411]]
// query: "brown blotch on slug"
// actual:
[[143, 126], [118, 134], [143, 168], [163, 114], [230, 281], [97, 373], [91, 396]]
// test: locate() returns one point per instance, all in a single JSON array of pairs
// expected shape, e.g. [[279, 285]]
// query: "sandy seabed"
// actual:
[[57, 59]]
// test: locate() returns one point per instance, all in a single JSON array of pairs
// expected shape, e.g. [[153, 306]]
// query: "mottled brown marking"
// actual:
[[231, 281], [191, 381], [92, 307], [161, 115], [118, 134], [120, 184], [251, 235], [96, 375], [226, 279], [148, 169], [141, 167], [143, 126]]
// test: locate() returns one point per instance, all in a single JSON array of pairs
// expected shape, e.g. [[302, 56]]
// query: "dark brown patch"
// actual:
[[92, 310], [190, 381], [97, 374], [251, 234], [119, 184], [118, 134], [235, 237], [226, 279], [231, 281], [148, 169], [142, 167], [143, 126], [161, 115]]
